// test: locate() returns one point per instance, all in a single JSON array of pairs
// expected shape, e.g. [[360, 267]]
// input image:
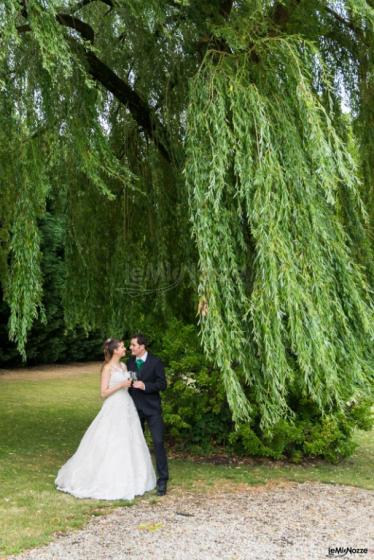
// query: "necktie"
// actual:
[[139, 363]]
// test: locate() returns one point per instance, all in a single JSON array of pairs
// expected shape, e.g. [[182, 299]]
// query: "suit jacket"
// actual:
[[153, 376]]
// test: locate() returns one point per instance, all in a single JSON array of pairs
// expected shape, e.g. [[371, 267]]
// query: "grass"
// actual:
[[41, 424]]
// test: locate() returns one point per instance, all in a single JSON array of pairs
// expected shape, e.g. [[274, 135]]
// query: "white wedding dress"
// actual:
[[112, 461]]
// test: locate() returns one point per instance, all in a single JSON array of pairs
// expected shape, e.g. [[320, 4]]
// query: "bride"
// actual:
[[112, 461]]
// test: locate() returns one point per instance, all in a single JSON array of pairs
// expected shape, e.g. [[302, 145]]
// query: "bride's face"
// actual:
[[120, 351]]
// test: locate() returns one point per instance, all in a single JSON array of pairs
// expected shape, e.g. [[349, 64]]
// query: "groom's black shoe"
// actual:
[[161, 488]]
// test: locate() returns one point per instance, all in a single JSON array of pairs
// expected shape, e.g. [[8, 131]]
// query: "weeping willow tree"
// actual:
[[298, 316], [243, 126]]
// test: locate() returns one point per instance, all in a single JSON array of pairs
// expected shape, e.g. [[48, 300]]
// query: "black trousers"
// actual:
[[157, 429]]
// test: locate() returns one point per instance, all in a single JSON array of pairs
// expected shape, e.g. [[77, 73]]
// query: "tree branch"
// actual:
[[138, 108], [24, 8], [342, 20], [83, 28], [84, 3], [143, 114], [225, 8]]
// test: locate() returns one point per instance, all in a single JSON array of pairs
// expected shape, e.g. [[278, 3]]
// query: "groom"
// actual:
[[146, 396]]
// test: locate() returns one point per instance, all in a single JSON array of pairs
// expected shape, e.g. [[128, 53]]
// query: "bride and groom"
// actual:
[[113, 460]]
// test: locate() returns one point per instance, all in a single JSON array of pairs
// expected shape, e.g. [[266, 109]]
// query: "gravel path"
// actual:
[[280, 520]]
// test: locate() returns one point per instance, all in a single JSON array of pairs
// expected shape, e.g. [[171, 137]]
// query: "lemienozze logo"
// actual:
[[341, 551]]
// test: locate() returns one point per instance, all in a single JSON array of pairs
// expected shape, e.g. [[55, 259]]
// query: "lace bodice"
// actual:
[[118, 373]]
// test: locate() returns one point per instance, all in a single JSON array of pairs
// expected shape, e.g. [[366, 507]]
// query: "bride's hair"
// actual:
[[110, 345]]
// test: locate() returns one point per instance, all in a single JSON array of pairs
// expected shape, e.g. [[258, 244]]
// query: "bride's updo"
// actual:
[[110, 345]]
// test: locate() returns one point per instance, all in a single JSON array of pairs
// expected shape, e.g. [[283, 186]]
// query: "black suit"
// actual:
[[148, 405]]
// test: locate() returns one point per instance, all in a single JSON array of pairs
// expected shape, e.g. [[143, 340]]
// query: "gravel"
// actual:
[[279, 520]]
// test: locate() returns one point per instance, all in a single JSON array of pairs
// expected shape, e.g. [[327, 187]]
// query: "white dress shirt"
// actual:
[[144, 357]]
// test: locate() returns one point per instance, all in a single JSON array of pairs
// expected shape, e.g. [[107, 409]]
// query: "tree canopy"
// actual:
[[246, 126]]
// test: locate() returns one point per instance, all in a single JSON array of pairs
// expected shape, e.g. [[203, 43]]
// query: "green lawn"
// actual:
[[41, 423]]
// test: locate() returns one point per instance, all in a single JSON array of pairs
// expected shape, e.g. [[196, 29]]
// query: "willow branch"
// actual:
[[141, 112], [84, 3], [102, 73], [343, 21]]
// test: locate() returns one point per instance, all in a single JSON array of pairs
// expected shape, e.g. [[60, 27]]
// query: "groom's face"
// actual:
[[136, 348]]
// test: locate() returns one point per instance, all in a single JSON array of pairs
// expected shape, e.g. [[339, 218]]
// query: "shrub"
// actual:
[[198, 418]]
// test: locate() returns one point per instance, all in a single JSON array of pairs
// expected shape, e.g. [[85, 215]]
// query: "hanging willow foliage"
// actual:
[[265, 163], [104, 103], [23, 288], [46, 146]]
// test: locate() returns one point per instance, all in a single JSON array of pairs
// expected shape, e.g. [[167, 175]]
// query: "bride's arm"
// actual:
[[105, 391]]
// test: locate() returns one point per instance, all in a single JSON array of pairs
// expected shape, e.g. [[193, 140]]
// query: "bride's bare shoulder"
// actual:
[[123, 366], [105, 370]]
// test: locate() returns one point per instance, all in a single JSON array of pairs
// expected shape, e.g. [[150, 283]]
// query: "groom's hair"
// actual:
[[141, 339]]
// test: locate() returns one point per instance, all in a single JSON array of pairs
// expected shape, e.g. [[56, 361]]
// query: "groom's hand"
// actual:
[[138, 385]]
